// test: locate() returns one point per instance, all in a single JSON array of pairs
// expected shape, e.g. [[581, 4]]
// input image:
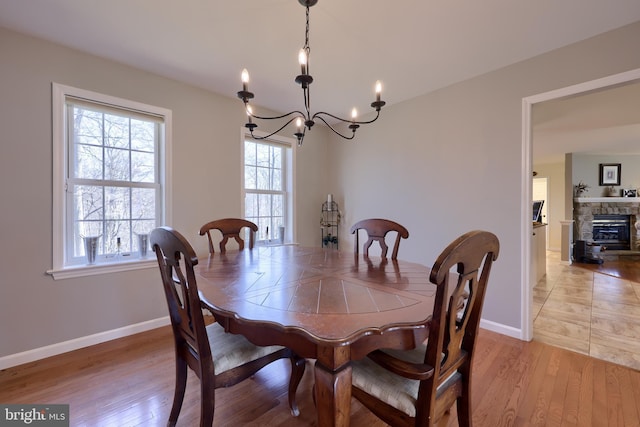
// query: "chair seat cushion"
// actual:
[[232, 350], [399, 392]]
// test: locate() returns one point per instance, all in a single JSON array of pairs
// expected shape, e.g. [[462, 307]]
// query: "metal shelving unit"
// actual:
[[329, 222]]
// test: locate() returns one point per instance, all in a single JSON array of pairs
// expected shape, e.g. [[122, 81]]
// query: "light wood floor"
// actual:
[[129, 382], [588, 312]]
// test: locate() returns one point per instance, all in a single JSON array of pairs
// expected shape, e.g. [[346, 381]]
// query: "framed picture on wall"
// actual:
[[610, 173]]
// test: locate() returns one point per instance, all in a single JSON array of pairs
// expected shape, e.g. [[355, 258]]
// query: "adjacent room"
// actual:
[[577, 139]]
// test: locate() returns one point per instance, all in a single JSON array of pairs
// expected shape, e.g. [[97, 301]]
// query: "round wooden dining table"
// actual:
[[326, 305]]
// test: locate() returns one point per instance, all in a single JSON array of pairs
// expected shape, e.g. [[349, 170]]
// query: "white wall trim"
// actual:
[[501, 329], [526, 226], [74, 344], [616, 79]]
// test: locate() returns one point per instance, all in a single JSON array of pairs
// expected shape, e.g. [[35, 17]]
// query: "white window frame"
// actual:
[[289, 170], [61, 269]]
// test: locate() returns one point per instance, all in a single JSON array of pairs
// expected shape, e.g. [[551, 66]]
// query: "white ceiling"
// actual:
[[412, 46], [603, 122]]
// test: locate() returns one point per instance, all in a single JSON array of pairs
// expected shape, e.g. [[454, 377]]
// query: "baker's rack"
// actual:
[[329, 222]]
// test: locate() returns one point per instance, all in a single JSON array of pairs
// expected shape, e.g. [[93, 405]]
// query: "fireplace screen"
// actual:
[[612, 231]]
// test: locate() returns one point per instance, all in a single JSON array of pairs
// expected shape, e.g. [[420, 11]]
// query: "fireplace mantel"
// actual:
[[606, 199]]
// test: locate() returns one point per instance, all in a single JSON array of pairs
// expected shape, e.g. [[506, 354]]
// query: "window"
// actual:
[[268, 188], [110, 174]]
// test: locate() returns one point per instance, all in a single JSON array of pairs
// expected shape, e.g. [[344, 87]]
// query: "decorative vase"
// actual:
[[143, 244], [91, 248]]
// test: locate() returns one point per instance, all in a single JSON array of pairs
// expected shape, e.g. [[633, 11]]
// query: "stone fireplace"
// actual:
[[586, 208]]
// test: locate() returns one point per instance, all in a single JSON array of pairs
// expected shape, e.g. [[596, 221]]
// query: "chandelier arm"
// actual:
[[273, 133], [279, 117], [320, 113], [335, 131]]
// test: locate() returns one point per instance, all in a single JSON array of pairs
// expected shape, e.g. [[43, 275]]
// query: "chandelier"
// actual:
[[305, 120]]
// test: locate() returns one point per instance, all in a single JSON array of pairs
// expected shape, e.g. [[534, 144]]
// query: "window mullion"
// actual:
[[109, 183]]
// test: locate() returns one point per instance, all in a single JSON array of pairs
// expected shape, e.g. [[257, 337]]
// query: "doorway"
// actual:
[[527, 194], [540, 191]]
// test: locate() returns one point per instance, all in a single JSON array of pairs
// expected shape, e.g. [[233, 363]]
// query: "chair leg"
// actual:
[[463, 406], [298, 365], [178, 394], [207, 402]]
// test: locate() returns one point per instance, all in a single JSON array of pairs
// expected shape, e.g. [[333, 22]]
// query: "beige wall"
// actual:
[[441, 164], [452, 160], [35, 310], [586, 168]]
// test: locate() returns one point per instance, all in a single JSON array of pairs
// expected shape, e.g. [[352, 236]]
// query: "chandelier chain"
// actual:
[[306, 34]]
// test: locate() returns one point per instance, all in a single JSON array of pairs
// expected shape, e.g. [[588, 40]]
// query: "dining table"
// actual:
[[329, 306]]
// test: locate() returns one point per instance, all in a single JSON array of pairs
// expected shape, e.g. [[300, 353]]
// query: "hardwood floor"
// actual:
[[627, 268], [129, 382], [590, 309]]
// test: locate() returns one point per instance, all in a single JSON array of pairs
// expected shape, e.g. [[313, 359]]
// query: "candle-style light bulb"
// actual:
[[302, 59], [245, 79], [299, 124], [378, 90], [354, 115], [249, 112]]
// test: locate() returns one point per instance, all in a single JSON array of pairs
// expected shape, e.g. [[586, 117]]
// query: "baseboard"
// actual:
[[501, 329], [74, 344]]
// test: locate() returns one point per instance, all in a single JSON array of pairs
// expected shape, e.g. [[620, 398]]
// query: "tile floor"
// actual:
[[588, 312]]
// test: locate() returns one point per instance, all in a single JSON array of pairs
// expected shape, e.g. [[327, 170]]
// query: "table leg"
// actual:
[[333, 395]]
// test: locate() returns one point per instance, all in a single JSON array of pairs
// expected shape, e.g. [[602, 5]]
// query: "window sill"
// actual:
[[104, 268]]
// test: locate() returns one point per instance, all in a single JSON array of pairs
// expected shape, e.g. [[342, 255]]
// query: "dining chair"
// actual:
[[230, 228], [417, 387], [377, 229], [219, 359]]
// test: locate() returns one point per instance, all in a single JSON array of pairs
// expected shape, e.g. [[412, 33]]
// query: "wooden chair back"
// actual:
[[230, 228], [455, 323], [176, 259], [194, 340], [377, 229], [445, 375]]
